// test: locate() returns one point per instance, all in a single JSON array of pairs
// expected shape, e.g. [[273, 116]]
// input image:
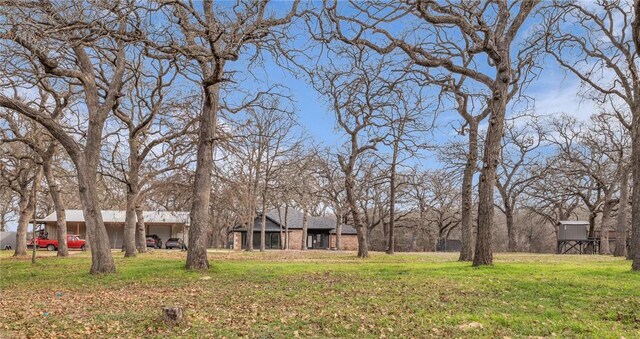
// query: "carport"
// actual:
[[165, 224]]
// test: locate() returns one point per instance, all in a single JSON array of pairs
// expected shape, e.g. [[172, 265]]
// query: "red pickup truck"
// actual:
[[73, 241]]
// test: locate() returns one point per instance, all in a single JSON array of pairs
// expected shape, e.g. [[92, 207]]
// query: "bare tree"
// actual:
[[517, 169], [487, 34], [210, 37], [621, 219], [306, 188], [357, 94], [48, 156], [436, 197], [465, 106], [53, 47], [21, 171], [45, 149], [444, 200], [153, 119], [418, 188], [373, 196], [281, 143], [548, 197], [406, 125], [599, 44], [463, 157], [269, 141], [333, 192], [591, 164], [613, 141], [7, 205]]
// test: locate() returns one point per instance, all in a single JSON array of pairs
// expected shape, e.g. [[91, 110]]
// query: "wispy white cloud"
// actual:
[[557, 94]]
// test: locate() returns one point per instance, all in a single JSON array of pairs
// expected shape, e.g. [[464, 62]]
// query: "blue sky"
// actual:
[[554, 91]]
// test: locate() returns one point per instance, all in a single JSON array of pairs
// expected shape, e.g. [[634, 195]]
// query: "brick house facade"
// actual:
[[320, 232], [348, 242]]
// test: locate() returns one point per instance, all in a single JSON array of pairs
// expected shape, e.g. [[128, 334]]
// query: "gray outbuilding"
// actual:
[[573, 237], [573, 230]]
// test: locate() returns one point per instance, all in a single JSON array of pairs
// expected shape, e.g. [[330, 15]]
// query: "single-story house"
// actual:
[[164, 224], [321, 232]]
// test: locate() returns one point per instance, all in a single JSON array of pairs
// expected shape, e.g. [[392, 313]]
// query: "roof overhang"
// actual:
[[119, 217]]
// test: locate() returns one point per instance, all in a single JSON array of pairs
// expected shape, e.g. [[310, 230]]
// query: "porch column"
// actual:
[[185, 233]]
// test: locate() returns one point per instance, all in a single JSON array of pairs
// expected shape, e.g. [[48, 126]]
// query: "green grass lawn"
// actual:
[[322, 294]]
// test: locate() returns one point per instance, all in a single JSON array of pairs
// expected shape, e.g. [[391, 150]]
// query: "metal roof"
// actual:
[[155, 217], [573, 222]]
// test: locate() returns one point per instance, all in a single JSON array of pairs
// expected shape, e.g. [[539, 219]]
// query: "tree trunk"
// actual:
[[414, 240], [466, 239], [392, 207], [392, 198], [350, 185], [363, 248], [593, 214], [339, 231], [621, 221], [250, 222], [252, 201], [283, 239], [58, 204], [604, 227], [212, 237], [363, 243], [197, 248], [27, 208], [385, 235], [483, 252], [129, 238], [172, 315], [141, 232], [286, 227], [635, 164], [101, 258], [263, 226], [511, 232], [305, 217], [3, 222], [23, 224]]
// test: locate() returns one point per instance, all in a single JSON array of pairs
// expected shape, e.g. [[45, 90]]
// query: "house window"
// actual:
[[256, 239], [271, 240], [274, 242]]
